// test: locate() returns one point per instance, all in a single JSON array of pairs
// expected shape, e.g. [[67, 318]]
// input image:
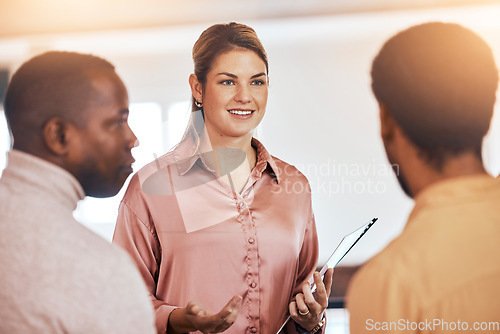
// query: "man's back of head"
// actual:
[[437, 82], [53, 84]]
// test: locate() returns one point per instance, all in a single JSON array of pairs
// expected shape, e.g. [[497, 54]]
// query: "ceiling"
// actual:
[[33, 17]]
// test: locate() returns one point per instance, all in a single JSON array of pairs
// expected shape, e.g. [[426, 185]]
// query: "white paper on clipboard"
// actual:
[[345, 245]]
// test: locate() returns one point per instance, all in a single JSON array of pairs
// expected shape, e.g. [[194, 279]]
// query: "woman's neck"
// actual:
[[244, 144], [233, 158]]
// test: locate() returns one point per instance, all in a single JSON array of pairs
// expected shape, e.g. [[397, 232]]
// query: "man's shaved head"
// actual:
[[53, 84], [72, 109]]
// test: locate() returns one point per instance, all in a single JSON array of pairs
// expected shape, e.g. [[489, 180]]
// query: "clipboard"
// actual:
[[345, 245]]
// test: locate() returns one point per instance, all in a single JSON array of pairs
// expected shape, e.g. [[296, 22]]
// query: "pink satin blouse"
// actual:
[[194, 238]]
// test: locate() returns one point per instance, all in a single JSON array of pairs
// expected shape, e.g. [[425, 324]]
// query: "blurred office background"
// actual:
[[321, 114]]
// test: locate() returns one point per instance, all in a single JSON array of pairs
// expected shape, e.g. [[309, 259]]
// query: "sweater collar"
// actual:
[[37, 177]]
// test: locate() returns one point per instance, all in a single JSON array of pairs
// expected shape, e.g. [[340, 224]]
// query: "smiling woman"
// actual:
[[234, 99], [235, 91], [211, 223]]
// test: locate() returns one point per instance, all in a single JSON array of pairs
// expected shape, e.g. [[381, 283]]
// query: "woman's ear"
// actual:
[[196, 88], [56, 136]]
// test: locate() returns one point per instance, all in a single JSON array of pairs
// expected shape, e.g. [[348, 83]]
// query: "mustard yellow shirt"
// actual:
[[442, 274]]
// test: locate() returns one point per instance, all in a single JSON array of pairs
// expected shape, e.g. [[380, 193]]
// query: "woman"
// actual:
[[214, 224]]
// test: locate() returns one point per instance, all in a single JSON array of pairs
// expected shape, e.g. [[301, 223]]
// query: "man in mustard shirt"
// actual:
[[435, 84]]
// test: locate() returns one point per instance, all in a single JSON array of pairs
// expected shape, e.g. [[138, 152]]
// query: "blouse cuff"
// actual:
[[162, 314]]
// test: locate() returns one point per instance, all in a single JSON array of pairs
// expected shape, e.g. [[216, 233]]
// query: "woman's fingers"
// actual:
[[328, 280], [207, 322]]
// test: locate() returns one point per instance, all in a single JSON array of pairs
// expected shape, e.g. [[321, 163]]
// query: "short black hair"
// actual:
[[438, 80], [53, 84]]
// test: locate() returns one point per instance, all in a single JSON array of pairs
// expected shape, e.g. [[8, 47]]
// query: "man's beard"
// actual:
[[399, 174]]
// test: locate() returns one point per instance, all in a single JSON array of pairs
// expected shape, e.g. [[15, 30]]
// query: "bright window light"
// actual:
[[177, 120], [4, 140]]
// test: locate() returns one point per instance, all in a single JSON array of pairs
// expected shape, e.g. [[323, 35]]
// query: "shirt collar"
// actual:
[[455, 190], [265, 160], [190, 150]]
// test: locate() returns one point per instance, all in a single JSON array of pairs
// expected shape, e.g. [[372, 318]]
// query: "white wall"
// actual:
[[321, 115]]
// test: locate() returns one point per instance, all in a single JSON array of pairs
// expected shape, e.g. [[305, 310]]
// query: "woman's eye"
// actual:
[[258, 82], [227, 82]]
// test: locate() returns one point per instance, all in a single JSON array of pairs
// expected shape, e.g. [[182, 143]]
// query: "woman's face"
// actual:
[[235, 94]]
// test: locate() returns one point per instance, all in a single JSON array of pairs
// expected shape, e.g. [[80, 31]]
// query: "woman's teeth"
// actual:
[[240, 112]]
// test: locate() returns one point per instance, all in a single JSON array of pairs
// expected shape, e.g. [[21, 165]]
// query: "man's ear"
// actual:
[[387, 123], [56, 136], [196, 88]]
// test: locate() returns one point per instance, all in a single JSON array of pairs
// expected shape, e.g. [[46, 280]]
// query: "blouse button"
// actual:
[[240, 205], [253, 285], [251, 240], [240, 218]]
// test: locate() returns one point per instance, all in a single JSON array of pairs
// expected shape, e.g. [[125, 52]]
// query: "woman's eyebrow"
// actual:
[[228, 74], [258, 75], [236, 77]]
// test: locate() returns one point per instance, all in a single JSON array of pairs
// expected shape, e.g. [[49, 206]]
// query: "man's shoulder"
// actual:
[[396, 263], [97, 254], [70, 275]]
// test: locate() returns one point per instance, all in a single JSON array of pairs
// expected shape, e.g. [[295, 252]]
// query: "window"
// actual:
[[177, 119], [4, 140]]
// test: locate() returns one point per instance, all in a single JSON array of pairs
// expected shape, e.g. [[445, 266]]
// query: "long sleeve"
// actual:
[[57, 276], [308, 259], [208, 243], [138, 237]]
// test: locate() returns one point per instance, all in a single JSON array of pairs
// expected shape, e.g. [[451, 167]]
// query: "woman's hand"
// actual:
[[307, 309], [194, 317]]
